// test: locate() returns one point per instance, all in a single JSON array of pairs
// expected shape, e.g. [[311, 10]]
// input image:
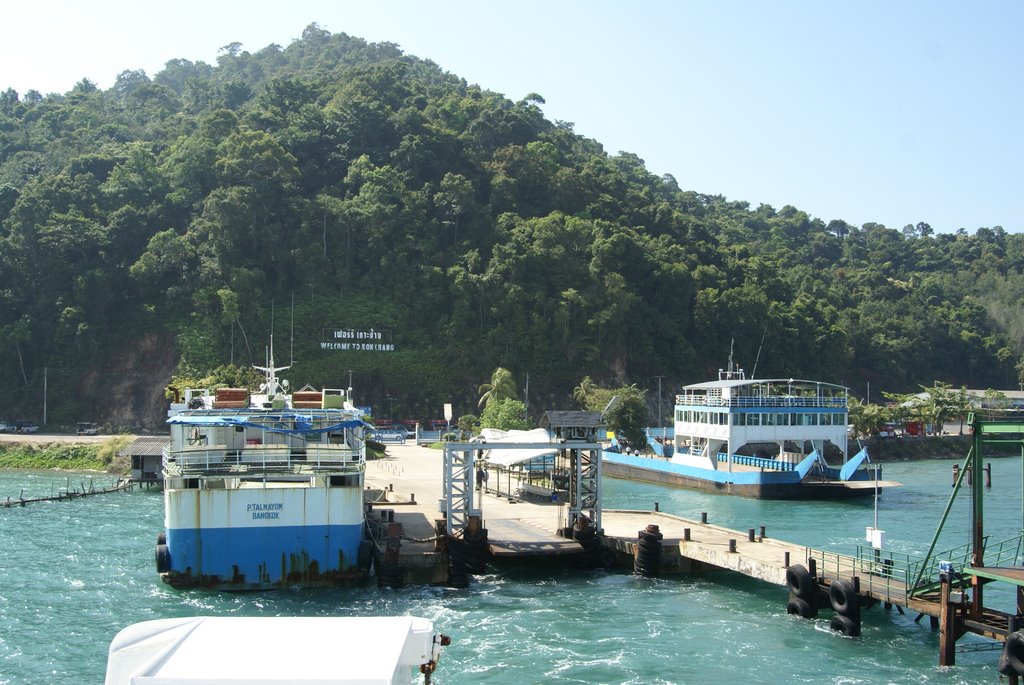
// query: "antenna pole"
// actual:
[[753, 375]]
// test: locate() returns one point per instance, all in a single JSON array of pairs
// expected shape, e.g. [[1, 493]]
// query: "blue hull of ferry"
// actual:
[[758, 484], [260, 558]]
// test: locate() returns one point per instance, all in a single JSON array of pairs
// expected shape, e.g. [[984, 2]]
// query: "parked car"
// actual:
[[26, 427], [88, 428], [6, 427]]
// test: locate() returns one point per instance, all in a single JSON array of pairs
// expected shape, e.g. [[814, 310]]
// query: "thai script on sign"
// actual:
[[356, 340], [265, 511]]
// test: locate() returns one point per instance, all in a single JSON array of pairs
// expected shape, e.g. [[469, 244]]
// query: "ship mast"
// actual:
[[271, 386]]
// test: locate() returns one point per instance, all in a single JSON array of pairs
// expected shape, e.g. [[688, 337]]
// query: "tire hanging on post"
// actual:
[[842, 594]]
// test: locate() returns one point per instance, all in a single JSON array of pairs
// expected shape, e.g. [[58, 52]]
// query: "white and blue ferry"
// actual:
[[763, 438], [263, 490]]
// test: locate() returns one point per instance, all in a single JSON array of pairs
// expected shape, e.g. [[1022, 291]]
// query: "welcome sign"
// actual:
[[357, 340]]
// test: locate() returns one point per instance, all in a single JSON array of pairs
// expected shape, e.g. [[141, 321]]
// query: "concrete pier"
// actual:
[[520, 528]]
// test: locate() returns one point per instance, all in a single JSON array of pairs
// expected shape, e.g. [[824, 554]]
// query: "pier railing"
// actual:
[[891, 575]]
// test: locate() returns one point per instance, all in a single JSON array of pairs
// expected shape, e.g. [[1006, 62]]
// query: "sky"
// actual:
[[869, 111]]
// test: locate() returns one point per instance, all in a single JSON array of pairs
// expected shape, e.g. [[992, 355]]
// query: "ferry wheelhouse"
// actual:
[[263, 490], [760, 438]]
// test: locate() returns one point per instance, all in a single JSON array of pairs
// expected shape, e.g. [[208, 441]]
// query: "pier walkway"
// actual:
[[521, 528], [410, 483]]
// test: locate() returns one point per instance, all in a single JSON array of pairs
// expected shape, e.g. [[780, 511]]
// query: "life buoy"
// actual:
[[801, 607], [801, 583], [1014, 651], [845, 625], [844, 598]]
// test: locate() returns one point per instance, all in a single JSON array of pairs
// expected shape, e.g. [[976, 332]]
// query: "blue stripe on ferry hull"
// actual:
[[254, 557], [710, 475], [767, 484]]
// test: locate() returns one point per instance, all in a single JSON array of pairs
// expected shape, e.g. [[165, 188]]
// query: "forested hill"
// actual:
[[161, 225]]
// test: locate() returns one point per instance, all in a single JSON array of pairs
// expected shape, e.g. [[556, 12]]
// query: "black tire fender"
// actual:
[[801, 583], [163, 559], [845, 625], [801, 607], [1014, 651], [844, 598]]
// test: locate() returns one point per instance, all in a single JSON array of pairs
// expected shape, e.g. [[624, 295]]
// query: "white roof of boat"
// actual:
[[734, 383], [282, 650]]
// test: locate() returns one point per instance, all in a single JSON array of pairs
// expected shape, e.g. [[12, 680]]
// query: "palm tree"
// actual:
[[501, 387], [581, 393], [962, 405]]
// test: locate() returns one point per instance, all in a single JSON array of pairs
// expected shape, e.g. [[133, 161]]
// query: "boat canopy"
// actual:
[[287, 424], [282, 650]]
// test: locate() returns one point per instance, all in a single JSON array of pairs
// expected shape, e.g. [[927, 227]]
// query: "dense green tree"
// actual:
[[370, 187]]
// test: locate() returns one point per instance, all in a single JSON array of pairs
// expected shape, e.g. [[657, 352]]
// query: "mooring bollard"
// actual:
[[763, 536], [686, 534], [786, 560], [656, 507], [732, 545], [703, 517], [750, 535]]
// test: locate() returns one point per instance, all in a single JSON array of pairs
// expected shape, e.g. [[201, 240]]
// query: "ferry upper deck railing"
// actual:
[[201, 460], [752, 401]]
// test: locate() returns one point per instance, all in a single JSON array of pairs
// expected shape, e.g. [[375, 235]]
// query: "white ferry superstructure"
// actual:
[[762, 438]]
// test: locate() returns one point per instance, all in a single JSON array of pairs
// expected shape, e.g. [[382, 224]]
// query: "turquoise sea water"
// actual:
[[72, 574]]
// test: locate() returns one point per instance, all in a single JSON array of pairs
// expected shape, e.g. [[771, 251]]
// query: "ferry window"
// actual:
[[753, 419]]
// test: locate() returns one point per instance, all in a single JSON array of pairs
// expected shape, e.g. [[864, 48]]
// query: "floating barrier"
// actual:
[[122, 485]]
